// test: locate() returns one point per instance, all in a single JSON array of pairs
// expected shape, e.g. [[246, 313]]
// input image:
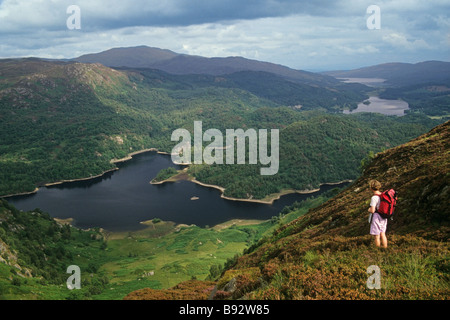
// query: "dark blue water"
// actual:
[[120, 200]]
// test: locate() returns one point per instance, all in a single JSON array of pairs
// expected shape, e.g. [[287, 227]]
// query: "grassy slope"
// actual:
[[35, 252], [143, 260], [176, 254]]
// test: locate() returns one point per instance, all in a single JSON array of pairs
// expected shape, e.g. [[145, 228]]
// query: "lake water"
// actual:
[[387, 107], [120, 200], [371, 82]]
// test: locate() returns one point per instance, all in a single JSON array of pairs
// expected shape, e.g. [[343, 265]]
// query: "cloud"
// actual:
[[301, 34], [116, 14], [398, 40]]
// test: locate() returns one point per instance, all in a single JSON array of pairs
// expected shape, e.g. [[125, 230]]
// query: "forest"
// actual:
[[65, 121]]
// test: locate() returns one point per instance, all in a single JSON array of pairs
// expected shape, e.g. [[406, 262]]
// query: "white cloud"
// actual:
[[305, 35], [401, 41]]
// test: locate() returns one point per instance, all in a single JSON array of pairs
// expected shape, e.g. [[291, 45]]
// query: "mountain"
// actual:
[[174, 63], [326, 253], [401, 74], [395, 74], [136, 57], [424, 85]]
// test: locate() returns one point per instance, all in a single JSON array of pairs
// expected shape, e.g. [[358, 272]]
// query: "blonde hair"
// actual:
[[374, 185]]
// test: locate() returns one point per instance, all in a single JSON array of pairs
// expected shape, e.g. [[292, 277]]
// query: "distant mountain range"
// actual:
[[401, 74], [182, 64], [395, 74]]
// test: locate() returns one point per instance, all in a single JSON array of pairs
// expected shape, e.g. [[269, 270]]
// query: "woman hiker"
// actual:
[[378, 224]]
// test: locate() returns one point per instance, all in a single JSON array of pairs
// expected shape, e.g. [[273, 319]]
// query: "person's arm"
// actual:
[[373, 204]]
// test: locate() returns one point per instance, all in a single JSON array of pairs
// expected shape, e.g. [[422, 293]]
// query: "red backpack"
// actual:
[[388, 201]]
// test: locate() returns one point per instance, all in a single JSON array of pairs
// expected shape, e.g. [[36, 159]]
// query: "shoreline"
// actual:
[[113, 161], [130, 155], [20, 194], [269, 199], [182, 175], [80, 179]]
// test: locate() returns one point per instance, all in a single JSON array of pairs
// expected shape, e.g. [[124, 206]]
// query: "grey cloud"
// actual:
[[120, 14], [301, 34]]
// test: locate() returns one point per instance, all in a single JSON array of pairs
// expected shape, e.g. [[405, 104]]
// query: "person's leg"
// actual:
[[383, 240], [377, 240]]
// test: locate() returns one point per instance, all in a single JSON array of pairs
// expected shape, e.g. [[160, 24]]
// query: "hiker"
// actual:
[[378, 224]]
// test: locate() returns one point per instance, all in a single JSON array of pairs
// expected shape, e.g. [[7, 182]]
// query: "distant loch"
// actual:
[[378, 105]]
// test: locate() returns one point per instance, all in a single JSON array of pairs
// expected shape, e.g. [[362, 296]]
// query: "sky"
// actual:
[[308, 35]]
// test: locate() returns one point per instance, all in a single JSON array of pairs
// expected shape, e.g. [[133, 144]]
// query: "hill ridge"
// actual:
[[182, 64], [400, 73]]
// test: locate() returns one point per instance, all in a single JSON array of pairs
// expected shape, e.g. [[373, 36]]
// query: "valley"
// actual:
[[79, 122]]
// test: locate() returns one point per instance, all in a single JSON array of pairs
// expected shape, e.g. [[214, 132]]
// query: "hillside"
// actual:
[[325, 253], [265, 85], [316, 148], [57, 122], [35, 251], [400, 74]]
